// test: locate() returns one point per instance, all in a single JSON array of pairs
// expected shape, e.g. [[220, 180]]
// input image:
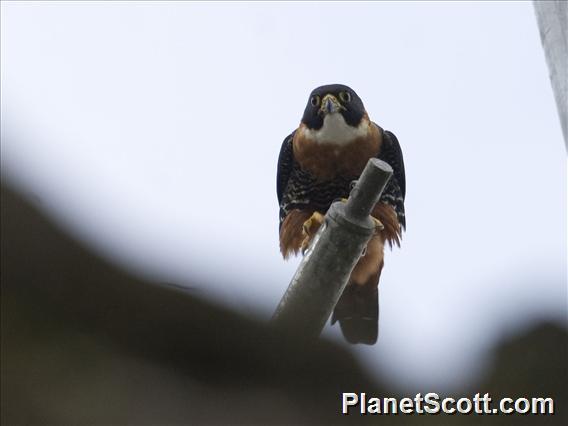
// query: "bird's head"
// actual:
[[333, 99], [334, 113]]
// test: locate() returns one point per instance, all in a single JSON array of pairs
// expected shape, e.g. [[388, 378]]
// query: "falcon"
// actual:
[[317, 165]]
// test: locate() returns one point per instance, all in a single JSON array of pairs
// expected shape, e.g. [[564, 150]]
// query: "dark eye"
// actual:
[[315, 100], [345, 97]]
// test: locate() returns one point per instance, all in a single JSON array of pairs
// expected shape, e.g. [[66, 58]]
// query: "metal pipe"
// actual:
[[334, 251], [552, 19]]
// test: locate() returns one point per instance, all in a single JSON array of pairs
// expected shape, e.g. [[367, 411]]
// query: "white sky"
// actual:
[[152, 130]]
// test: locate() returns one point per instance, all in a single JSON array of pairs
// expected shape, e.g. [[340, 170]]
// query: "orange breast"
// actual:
[[328, 160]]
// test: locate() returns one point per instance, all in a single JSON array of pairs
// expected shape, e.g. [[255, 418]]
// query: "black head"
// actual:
[[333, 98]]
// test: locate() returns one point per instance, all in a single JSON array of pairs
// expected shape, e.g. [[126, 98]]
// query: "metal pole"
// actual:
[[326, 267], [552, 18]]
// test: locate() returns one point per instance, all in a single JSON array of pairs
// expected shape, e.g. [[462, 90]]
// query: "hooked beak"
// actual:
[[329, 105]]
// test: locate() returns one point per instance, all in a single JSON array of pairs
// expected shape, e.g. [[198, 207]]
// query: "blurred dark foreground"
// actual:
[[85, 343]]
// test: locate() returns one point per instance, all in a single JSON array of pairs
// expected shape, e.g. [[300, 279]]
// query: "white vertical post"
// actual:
[[552, 19]]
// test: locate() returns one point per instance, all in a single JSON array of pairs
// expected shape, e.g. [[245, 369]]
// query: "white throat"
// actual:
[[336, 131]]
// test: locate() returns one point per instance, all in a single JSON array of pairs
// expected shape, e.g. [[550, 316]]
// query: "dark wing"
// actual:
[[285, 165], [396, 188], [393, 155]]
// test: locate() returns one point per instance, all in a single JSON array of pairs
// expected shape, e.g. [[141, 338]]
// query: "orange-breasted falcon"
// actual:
[[317, 164]]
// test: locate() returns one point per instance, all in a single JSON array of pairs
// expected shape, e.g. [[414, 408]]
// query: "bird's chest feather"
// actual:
[[336, 149]]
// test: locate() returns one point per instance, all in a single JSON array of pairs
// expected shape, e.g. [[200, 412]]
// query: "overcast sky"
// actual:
[[152, 131]]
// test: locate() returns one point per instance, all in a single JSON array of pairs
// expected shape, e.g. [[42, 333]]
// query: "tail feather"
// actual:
[[358, 313]]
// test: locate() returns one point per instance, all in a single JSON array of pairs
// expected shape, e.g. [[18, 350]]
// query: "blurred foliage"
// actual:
[[82, 342]]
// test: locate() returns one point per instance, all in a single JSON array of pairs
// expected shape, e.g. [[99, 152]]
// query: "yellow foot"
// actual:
[[309, 229], [378, 224]]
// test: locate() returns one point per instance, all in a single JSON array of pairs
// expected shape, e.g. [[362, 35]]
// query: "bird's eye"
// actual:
[[345, 96], [315, 100]]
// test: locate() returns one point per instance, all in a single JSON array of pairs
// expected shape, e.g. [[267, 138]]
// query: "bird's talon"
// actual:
[[378, 224], [306, 227], [309, 228], [311, 225], [305, 244], [340, 200]]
